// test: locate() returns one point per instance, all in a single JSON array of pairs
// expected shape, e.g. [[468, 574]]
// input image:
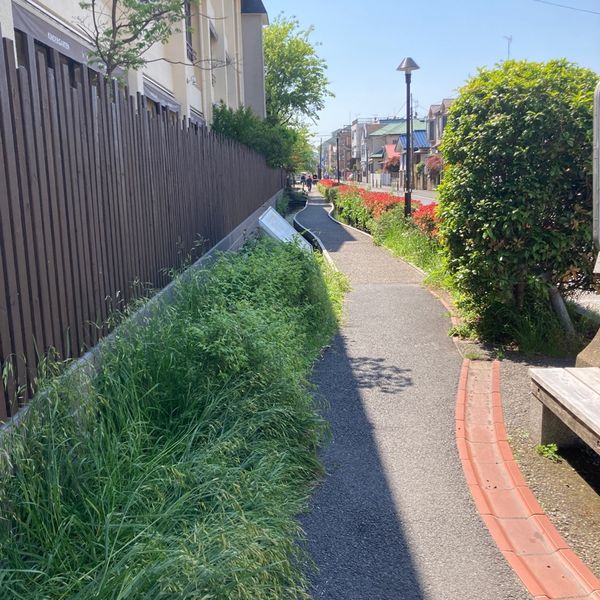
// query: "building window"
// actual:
[[21, 49], [74, 69], [189, 48]]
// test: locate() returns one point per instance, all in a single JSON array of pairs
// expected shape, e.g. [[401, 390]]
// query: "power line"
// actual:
[[592, 12]]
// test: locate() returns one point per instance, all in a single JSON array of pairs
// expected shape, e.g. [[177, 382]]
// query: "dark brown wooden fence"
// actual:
[[96, 194]]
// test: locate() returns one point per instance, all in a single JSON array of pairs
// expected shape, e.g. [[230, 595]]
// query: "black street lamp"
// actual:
[[408, 65]]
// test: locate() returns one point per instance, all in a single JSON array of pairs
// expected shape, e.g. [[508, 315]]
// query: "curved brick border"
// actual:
[[547, 566]]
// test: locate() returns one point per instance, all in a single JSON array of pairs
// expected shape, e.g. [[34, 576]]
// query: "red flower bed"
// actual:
[[379, 202], [327, 183], [426, 219]]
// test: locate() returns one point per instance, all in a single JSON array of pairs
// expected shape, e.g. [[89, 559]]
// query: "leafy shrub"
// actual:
[[516, 197], [282, 147], [435, 164], [359, 207], [426, 219], [331, 194], [350, 206]]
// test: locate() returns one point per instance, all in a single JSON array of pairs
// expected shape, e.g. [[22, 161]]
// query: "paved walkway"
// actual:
[[394, 517]]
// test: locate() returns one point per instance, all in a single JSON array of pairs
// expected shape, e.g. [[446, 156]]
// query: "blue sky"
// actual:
[[364, 41]]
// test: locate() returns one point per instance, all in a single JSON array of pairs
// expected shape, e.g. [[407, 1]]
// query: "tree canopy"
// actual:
[[123, 32], [282, 146], [295, 81], [516, 206]]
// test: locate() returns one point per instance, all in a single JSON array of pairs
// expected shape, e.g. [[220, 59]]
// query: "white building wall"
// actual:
[[195, 87], [253, 63]]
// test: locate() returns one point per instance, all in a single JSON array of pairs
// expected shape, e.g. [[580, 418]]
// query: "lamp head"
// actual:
[[407, 65]]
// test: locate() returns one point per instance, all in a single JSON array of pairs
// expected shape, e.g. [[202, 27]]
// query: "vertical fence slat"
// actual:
[[90, 132], [24, 249], [57, 158], [112, 221], [105, 193], [89, 231], [67, 199]]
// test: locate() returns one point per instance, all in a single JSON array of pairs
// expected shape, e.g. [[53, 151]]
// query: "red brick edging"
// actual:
[[535, 550]]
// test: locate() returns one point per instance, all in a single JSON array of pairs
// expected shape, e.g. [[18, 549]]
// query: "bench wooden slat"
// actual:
[[588, 375], [573, 393]]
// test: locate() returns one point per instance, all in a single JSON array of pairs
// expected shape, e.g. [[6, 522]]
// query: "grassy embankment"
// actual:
[[182, 472]]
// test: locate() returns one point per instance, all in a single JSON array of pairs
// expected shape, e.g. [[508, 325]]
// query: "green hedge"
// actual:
[[516, 202]]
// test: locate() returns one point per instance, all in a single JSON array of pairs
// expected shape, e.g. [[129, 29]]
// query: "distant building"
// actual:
[[420, 151], [341, 143], [357, 128], [437, 117], [386, 135]]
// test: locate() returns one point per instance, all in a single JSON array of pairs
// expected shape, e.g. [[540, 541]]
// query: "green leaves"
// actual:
[[295, 81], [282, 146], [515, 200], [122, 32]]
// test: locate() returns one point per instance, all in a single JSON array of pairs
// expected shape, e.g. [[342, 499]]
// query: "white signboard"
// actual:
[[272, 223]]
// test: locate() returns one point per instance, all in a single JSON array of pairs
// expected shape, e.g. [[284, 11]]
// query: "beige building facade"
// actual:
[[215, 56]]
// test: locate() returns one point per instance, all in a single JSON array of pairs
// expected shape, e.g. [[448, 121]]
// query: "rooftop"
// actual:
[[253, 7], [419, 140], [399, 128]]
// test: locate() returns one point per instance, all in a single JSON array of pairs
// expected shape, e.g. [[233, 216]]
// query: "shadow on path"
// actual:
[[360, 548]]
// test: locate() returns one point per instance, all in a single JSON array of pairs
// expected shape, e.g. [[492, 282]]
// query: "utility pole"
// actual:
[[508, 38], [337, 155], [319, 172]]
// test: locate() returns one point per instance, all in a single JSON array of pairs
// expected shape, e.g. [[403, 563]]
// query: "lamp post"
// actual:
[[408, 65]]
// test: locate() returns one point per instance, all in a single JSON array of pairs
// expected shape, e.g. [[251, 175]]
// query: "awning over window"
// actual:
[[153, 92], [54, 36]]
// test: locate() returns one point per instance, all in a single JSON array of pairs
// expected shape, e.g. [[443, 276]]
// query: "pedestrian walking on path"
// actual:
[[393, 518]]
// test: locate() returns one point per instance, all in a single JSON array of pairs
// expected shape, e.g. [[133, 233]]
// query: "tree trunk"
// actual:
[[519, 295], [560, 309]]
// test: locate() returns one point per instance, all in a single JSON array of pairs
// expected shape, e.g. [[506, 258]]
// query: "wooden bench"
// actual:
[[566, 406]]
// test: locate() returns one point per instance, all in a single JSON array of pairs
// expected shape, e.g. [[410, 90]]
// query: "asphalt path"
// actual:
[[393, 518]]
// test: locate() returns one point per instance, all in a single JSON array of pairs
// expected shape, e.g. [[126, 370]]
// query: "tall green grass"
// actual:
[[179, 470], [403, 238]]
